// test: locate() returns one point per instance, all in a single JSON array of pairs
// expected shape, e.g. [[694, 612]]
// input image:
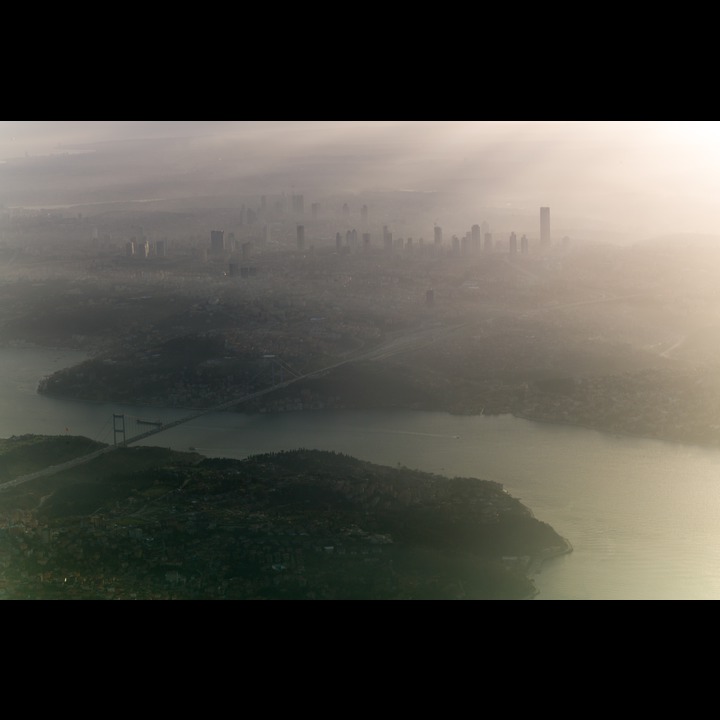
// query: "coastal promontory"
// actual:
[[152, 523]]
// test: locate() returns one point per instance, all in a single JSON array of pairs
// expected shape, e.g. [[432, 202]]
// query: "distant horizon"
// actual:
[[641, 177]]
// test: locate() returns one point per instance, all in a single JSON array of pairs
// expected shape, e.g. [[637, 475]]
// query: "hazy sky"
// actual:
[[653, 176]]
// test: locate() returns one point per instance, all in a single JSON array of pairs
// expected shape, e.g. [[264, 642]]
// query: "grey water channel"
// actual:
[[641, 514]]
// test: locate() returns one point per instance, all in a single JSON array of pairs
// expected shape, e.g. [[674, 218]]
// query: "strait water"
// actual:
[[642, 515]]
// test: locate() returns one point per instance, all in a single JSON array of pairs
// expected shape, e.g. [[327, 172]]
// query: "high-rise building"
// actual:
[[513, 243], [544, 226], [217, 240], [438, 235], [387, 238], [475, 238], [524, 244], [300, 237]]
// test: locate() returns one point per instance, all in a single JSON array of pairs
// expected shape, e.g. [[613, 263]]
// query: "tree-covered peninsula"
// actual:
[[152, 523]]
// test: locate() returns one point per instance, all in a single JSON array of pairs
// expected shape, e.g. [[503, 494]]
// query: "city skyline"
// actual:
[[646, 177]]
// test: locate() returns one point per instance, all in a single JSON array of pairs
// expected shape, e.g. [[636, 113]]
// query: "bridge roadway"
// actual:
[[395, 346]]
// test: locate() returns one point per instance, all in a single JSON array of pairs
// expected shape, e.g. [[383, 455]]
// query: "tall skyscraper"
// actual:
[[544, 226], [300, 237], [217, 240], [475, 238]]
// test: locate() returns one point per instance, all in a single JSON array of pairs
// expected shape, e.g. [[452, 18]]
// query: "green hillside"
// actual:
[[152, 523]]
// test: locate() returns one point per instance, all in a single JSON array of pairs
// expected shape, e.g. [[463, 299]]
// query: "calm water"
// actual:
[[642, 515]]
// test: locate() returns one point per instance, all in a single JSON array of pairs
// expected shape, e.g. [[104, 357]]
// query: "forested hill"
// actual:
[[151, 523]]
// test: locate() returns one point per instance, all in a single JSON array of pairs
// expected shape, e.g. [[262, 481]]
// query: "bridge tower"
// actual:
[[276, 368], [118, 427]]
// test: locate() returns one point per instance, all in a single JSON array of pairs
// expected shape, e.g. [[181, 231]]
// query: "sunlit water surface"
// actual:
[[643, 516]]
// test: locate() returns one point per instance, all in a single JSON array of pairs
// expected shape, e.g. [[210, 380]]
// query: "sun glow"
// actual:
[[651, 177]]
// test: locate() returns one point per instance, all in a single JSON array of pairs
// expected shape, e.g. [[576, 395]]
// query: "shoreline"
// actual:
[[544, 421], [19, 344], [536, 563], [535, 566], [615, 433]]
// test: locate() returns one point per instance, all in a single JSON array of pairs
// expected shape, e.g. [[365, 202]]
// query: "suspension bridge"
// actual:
[[395, 346]]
